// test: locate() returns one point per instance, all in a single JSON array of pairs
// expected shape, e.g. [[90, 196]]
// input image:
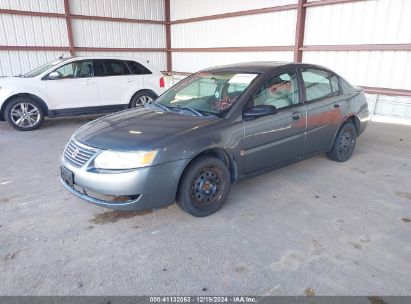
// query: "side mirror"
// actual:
[[53, 75], [258, 111]]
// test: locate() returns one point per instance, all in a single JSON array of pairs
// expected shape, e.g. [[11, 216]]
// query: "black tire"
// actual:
[[24, 113], [344, 143], [141, 98], [204, 186]]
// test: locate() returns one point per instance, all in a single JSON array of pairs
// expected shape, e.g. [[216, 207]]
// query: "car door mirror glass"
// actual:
[[53, 75], [260, 110]]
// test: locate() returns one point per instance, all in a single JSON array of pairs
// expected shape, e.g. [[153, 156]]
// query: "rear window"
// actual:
[[319, 84], [110, 68], [137, 68]]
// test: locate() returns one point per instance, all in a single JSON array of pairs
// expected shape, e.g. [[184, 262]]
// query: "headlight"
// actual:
[[124, 160]]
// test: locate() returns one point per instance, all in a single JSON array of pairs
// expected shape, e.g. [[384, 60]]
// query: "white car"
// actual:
[[77, 86]]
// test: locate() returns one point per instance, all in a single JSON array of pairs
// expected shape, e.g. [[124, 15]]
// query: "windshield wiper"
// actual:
[[160, 106], [191, 110]]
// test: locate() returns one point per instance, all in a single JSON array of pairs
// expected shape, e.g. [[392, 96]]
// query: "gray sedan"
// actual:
[[214, 128]]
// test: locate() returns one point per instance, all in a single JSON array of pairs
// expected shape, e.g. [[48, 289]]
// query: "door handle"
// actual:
[[88, 82], [297, 115], [336, 105], [130, 80]]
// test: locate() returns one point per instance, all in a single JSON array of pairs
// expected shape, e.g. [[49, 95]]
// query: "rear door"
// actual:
[[274, 139], [326, 108], [115, 82], [75, 88], [142, 75]]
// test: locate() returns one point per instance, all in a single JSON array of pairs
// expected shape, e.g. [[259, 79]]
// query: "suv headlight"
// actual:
[[124, 160]]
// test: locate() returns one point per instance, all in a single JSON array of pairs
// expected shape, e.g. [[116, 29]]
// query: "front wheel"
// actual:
[[344, 143], [204, 186], [24, 114], [140, 99]]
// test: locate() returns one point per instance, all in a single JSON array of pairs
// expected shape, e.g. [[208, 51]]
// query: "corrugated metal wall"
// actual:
[[361, 22], [17, 30], [270, 29], [45, 6], [365, 22], [192, 62], [132, 9], [183, 9], [253, 30]]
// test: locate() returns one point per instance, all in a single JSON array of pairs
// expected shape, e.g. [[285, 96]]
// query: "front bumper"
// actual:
[[145, 188]]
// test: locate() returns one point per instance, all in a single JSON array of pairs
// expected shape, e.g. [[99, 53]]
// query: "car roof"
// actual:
[[259, 66], [141, 60]]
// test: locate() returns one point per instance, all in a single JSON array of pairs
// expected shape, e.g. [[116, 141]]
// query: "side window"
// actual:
[[110, 68], [84, 69], [137, 68], [319, 84], [76, 69], [66, 71], [280, 91]]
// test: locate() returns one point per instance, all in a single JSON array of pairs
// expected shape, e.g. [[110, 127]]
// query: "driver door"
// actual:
[[278, 138], [75, 88]]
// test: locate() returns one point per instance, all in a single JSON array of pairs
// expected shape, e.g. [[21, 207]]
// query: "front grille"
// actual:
[[78, 154]]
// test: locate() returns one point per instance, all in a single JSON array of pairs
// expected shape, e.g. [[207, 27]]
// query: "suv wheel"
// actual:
[[344, 143], [204, 186], [24, 114], [140, 99]]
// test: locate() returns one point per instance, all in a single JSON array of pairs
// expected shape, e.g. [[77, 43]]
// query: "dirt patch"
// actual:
[[317, 248], [376, 300], [309, 292], [11, 256], [406, 195], [4, 200], [356, 246], [240, 269], [116, 215], [406, 220]]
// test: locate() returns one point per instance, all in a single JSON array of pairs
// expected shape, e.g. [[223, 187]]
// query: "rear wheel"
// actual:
[[204, 186], [344, 143], [141, 98], [24, 114]]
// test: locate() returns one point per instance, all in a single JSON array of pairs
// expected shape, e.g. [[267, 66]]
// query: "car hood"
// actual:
[[138, 129], [12, 82]]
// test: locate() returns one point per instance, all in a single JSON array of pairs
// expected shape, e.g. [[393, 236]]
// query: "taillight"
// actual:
[[162, 82]]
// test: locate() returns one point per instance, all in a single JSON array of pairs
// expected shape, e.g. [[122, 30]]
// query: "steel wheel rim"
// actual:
[[347, 142], [25, 115], [142, 100], [207, 187]]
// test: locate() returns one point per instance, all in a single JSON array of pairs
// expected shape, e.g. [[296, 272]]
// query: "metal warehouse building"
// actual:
[[353, 37]]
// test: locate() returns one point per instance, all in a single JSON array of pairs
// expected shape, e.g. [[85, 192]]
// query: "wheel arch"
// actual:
[[219, 153], [28, 95], [352, 118], [140, 91]]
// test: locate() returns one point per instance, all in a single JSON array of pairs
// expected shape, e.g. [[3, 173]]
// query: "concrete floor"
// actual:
[[315, 227]]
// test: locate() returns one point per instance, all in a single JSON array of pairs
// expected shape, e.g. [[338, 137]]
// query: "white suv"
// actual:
[[77, 86]]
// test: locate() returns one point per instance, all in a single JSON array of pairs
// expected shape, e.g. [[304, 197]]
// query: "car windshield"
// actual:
[[206, 93], [41, 69]]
